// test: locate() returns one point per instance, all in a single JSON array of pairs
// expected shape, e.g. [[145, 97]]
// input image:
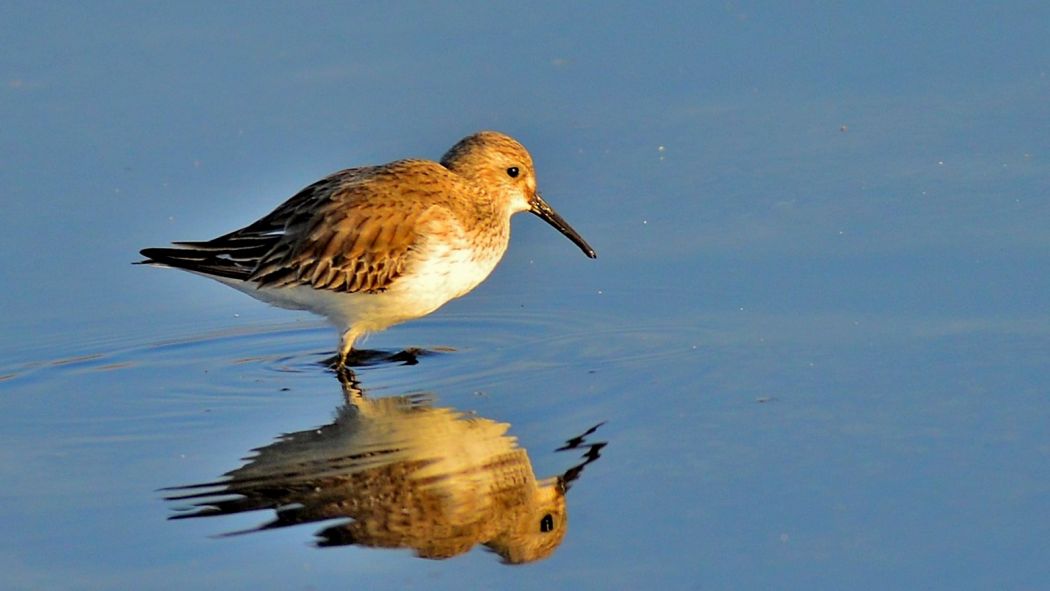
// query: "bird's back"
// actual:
[[353, 231]]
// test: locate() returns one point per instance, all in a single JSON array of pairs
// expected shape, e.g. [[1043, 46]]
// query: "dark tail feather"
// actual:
[[198, 261], [237, 245]]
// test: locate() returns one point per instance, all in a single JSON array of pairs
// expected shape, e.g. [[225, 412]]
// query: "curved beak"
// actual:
[[547, 214]]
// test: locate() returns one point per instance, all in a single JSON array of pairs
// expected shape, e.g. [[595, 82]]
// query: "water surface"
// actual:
[[817, 331]]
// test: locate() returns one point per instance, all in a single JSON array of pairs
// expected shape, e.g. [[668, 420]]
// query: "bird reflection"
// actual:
[[398, 472]]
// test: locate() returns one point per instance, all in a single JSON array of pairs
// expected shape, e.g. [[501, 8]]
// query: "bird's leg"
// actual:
[[352, 391], [346, 346]]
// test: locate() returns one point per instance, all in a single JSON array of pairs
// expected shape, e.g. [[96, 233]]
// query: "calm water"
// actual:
[[817, 332]]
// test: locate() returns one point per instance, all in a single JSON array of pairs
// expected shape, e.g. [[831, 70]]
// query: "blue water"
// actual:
[[817, 331]]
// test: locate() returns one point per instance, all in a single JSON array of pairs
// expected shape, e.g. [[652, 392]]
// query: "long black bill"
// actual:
[[544, 211]]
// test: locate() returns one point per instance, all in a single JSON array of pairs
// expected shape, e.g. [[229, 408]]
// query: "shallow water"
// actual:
[[816, 337]]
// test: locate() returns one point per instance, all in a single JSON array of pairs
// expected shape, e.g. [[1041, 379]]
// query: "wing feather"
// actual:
[[360, 238], [353, 231]]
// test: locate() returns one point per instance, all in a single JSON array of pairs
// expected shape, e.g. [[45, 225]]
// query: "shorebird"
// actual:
[[374, 246], [399, 472]]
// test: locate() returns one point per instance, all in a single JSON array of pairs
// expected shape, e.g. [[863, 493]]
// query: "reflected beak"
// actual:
[[544, 211]]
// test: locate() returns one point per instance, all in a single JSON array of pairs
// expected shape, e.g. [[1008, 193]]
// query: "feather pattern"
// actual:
[[373, 246], [353, 231]]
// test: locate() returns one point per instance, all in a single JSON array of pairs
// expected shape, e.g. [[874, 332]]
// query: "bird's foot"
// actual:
[[372, 357]]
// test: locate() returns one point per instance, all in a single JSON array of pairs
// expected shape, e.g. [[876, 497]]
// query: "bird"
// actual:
[[398, 472], [373, 246]]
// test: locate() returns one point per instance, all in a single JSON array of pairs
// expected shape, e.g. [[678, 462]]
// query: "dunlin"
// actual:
[[398, 472], [374, 246]]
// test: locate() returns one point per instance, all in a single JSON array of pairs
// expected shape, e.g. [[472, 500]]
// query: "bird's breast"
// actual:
[[443, 270]]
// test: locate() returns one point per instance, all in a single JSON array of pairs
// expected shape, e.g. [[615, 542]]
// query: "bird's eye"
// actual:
[[512, 172], [547, 523]]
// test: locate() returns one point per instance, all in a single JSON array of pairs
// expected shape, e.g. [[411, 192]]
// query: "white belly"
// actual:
[[440, 274]]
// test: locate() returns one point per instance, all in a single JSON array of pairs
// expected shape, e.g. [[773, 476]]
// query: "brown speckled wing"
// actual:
[[354, 235], [353, 231]]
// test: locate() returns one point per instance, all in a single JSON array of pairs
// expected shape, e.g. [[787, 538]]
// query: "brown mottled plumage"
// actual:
[[400, 473], [374, 246]]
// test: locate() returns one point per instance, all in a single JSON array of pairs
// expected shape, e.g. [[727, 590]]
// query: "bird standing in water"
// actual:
[[374, 246]]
